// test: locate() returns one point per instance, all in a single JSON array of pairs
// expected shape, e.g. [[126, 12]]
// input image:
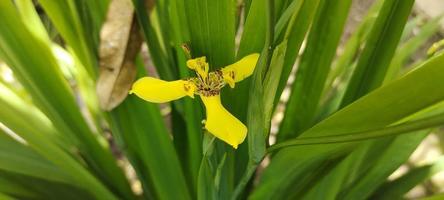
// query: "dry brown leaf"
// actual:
[[119, 45]]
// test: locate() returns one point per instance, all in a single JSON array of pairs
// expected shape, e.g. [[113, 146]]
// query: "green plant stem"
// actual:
[[258, 127], [407, 127], [251, 168]]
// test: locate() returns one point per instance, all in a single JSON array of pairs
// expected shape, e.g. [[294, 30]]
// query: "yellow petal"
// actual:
[[160, 91], [240, 70], [199, 65], [222, 124]]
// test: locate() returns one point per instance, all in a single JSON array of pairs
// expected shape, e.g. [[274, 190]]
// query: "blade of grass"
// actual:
[[141, 127], [191, 139], [379, 49], [211, 184], [363, 172], [39, 188], [212, 27], [345, 63], [434, 197], [51, 93], [404, 128], [5, 197], [258, 126], [97, 9], [212, 30], [31, 19], [271, 81], [314, 67], [409, 47], [283, 22], [13, 115], [400, 186], [328, 185], [143, 130], [12, 188], [160, 59], [424, 85], [379, 162], [361, 160], [374, 160], [280, 7], [253, 38], [295, 33], [17, 158], [393, 157], [66, 19], [206, 188]]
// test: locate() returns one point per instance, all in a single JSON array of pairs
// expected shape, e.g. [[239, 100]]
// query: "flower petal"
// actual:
[[160, 91], [222, 124], [240, 70], [199, 65]]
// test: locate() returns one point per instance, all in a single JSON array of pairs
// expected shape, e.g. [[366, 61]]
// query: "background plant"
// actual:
[[351, 119]]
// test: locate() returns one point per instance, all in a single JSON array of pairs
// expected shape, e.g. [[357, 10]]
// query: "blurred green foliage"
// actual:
[[351, 120]]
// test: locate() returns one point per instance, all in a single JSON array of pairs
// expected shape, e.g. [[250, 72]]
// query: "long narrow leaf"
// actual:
[[314, 67], [379, 49], [51, 93], [422, 92]]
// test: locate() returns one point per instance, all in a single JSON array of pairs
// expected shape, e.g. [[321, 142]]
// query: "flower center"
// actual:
[[210, 85]]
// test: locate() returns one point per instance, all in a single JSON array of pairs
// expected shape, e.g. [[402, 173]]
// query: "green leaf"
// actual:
[[97, 9], [92, 15], [314, 67], [409, 47], [212, 30], [327, 186], [271, 81], [13, 115], [399, 187], [211, 183], [253, 40], [295, 33], [363, 158], [31, 19], [369, 153], [66, 19], [17, 158], [255, 28], [159, 57], [345, 63], [257, 124], [206, 188], [393, 157], [434, 197], [384, 156], [379, 49], [25, 187], [5, 197], [365, 135], [145, 138], [145, 135], [283, 21], [10, 187], [53, 96], [188, 139], [281, 6], [371, 163], [423, 91]]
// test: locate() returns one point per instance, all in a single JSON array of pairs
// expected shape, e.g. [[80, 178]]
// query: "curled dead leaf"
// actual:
[[120, 41]]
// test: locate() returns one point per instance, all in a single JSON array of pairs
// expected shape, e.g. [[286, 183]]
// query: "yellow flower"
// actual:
[[207, 85]]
